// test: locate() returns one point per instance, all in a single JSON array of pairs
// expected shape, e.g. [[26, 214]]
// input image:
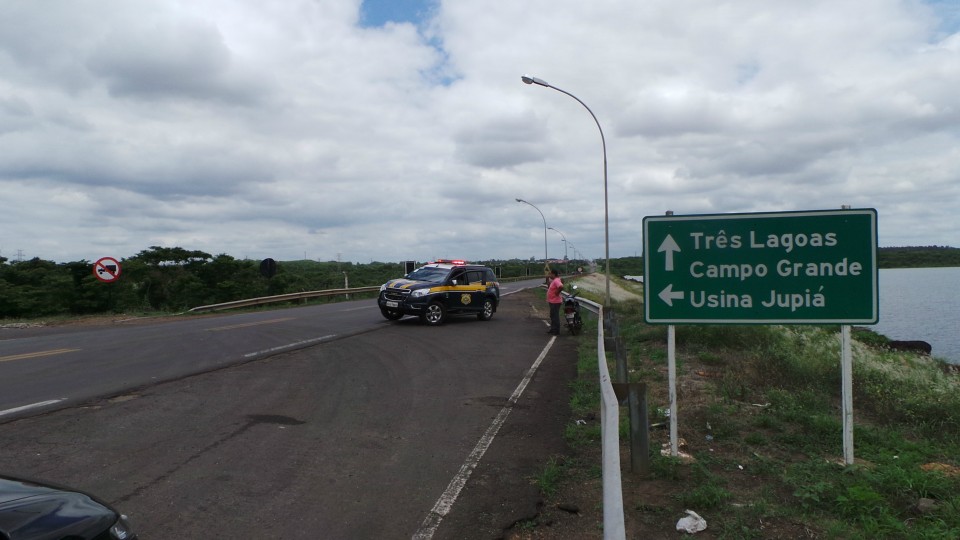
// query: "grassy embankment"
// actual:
[[760, 418]]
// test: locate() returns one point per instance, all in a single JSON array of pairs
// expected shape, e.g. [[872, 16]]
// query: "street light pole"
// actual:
[[544, 229], [563, 236], [566, 259], [606, 206]]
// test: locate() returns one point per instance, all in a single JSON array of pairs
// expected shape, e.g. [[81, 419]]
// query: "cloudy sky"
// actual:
[[393, 130]]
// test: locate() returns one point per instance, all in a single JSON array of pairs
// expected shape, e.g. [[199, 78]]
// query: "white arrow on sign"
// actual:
[[670, 246], [668, 295]]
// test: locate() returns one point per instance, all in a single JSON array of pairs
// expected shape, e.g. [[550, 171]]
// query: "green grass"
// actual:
[[772, 405], [550, 476], [585, 393]]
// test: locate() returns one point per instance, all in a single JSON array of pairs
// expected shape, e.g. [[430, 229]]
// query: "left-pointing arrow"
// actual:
[[669, 245], [668, 295]]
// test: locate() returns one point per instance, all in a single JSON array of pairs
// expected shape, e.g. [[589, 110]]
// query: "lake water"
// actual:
[[922, 304]]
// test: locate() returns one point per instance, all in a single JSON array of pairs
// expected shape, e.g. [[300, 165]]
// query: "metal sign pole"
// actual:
[[672, 375], [846, 361]]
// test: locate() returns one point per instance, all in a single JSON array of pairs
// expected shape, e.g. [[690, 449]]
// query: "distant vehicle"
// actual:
[[439, 289], [31, 510]]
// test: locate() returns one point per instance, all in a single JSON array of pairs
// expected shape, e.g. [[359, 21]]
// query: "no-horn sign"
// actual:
[[106, 269]]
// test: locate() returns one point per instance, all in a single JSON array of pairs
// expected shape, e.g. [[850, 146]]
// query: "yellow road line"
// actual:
[[271, 321], [37, 354]]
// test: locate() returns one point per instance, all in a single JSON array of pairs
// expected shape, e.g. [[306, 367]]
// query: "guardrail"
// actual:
[[613, 518], [282, 298]]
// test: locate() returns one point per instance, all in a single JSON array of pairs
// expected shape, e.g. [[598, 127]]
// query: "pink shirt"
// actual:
[[553, 291]]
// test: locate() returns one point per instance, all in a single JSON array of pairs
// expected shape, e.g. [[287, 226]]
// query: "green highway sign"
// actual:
[[814, 267]]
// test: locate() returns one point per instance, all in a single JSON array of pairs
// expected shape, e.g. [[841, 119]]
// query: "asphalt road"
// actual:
[[46, 368], [359, 433]]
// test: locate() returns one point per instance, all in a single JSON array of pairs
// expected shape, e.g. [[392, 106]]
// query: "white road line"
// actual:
[[446, 500], [358, 308], [31, 406], [289, 346], [245, 325]]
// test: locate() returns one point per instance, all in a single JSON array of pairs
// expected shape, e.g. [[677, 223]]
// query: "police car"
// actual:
[[439, 289]]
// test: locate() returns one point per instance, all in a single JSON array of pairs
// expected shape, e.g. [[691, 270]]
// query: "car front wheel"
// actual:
[[434, 314], [487, 313]]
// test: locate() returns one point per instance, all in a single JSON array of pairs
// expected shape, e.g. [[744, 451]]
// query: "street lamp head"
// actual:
[[606, 210], [520, 200], [533, 80]]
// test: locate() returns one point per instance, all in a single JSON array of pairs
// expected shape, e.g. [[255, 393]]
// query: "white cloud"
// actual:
[[277, 129]]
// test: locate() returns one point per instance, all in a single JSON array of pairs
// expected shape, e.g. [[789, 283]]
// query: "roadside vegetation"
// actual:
[[761, 452], [163, 280], [918, 257]]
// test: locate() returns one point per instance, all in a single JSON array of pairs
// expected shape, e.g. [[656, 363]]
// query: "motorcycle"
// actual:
[[571, 312]]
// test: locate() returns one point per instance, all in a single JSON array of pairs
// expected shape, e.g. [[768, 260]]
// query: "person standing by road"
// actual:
[[555, 299]]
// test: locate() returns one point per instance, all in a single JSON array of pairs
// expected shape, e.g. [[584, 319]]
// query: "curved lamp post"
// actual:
[[606, 207], [564, 241], [566, 259], [544, 229]]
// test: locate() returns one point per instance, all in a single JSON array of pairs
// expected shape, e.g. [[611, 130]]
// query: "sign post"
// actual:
[[813, 267]]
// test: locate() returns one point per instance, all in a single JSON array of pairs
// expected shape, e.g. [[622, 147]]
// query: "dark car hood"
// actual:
[[38, 512], [409, 284]]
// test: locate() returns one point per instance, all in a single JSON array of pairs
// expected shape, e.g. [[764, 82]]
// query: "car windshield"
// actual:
[[431, 275]]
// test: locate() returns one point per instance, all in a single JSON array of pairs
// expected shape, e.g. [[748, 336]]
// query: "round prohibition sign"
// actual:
[[106, 269]]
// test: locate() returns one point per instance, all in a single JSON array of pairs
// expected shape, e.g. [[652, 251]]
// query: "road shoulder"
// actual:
[[502, 493]]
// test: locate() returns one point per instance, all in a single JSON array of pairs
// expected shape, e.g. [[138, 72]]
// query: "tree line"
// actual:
[[173, 279], [918, 257]]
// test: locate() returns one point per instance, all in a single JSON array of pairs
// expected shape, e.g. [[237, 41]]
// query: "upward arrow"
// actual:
[[670, 246]]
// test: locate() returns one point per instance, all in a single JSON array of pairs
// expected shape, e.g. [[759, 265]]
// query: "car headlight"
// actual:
[[121, 529], [383, 287], [419, 292]]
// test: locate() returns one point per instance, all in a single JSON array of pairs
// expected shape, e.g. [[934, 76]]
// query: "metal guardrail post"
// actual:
[[634, 396], [639, 429]]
